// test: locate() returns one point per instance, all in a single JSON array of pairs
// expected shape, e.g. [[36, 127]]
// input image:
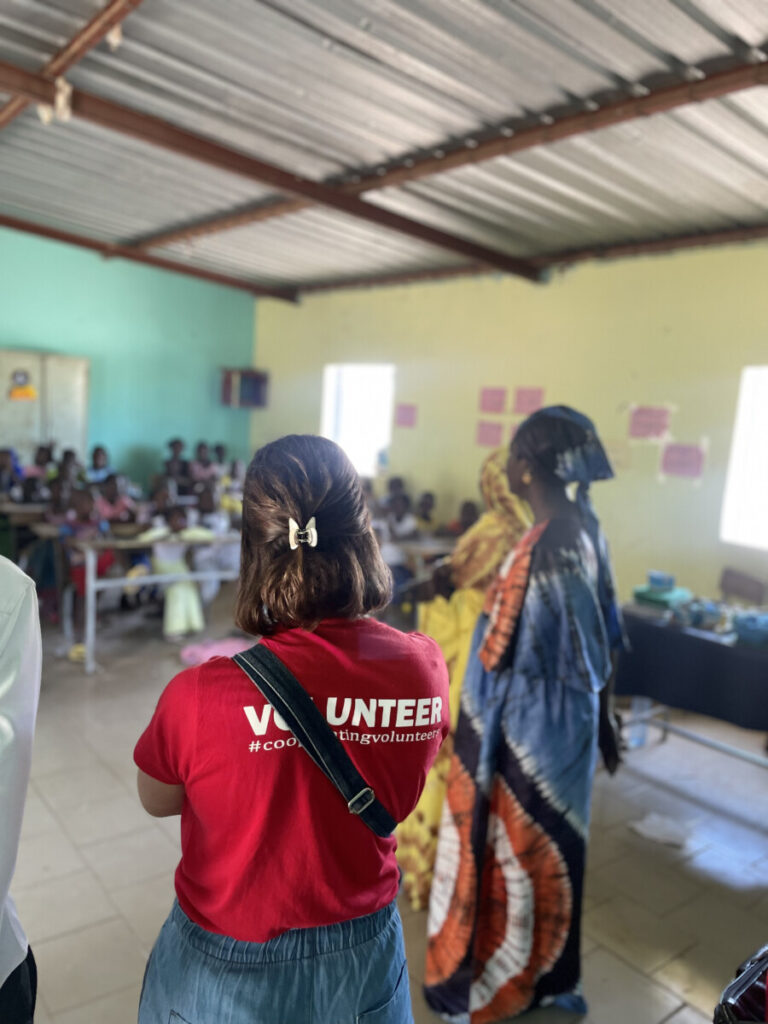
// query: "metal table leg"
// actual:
[[90, 610]]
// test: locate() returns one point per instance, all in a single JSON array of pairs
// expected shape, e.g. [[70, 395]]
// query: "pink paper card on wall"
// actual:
[[649, 422], [405, 415], [493, 399], [528, 400], [686, 460], [489, 435]]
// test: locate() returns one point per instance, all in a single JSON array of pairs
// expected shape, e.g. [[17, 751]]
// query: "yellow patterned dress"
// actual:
[[474, 564]]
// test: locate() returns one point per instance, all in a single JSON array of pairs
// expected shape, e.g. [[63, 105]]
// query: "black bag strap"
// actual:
[[292, 702]]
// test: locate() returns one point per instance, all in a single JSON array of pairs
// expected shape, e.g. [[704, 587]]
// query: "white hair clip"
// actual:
[[306, 536]]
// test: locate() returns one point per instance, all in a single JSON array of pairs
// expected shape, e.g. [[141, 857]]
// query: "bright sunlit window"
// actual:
[[745, 506], [357, 410]]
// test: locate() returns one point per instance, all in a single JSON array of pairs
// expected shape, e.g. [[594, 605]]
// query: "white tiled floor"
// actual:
[[663, 927]]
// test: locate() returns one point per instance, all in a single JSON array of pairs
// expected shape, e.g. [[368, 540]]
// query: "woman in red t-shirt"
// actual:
[[285, 907]]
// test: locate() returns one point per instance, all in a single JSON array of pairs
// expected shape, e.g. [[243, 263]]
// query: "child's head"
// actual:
[[395, 485], [176, 518], [43, 455], [202, 452], [68, 457], [161, 497], [220, 451], [400, 505], [99, 457], [426, 505], [59, 490], [82, 504], [110, 489], [468, 514], [206, 502], [296, 579], [176, 446]]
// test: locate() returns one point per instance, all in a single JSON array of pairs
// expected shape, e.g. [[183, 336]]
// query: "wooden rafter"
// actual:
[[507, 142], [90, 35], [155, 131]]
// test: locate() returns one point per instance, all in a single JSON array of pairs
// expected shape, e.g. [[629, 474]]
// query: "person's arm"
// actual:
[[20, 664], [158, 798]]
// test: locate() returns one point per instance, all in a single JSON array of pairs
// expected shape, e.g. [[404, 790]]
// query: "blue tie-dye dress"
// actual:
[[504, 918]]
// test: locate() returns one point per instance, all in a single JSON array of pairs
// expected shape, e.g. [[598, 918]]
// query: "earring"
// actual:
[[527, 478]]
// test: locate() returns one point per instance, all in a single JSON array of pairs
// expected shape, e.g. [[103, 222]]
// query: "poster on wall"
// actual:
[[489, 435], [683, 460], [528, 400], [22, 389], [493, 400], [649, 422], [406, 415]]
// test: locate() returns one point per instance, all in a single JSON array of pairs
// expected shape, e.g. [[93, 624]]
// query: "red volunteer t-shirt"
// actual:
[[267, 841]]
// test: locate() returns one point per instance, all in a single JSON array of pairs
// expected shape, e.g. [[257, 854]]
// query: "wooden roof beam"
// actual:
[[155, 131], [119, 252], [651, 247], [89, 36], [507, 141]]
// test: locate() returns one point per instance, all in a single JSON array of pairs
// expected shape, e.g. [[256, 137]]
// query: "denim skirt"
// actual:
[[354, 972]]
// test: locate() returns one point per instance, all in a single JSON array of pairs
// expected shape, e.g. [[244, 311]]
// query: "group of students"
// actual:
[[396, 520], [189, 503], [286, 891]]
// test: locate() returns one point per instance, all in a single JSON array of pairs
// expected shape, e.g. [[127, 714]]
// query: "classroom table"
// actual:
[[15, 516], [425, 550], [691, 670], [93, 584]]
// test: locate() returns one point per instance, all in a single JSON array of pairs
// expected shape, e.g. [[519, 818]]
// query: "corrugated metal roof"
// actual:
[[325, 88]]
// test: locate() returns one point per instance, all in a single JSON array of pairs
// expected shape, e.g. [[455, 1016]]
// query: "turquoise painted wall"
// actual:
[[156, 342]]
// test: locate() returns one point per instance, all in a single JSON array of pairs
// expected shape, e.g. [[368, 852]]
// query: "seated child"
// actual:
[[220, 460], [112, 505], [10, 477], [99, 469], [83, 523], [468, 516], [219, 556], [177, 468], [425, 510], [399, 525], [183, 611], [43, 467], [70, 468], [202, 469]]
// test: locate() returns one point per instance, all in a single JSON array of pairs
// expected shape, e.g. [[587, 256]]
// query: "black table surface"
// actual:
[[685, 670]]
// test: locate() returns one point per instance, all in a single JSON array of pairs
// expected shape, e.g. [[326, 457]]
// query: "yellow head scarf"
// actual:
[[482, 549]]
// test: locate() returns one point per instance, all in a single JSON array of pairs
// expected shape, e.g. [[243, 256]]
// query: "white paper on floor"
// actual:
[[660, 829]]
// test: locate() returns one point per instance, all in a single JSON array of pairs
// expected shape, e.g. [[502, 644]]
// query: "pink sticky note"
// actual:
[[405, 415], [683, 460], [528, 400], [493, 399], [489, 434], [649, 421]]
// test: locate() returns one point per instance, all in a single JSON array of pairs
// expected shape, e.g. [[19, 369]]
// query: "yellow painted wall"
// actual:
[[674, 329]]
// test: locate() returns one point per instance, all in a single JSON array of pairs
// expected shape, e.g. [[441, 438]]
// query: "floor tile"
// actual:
[[59, 752], [118, 1008], [718, 922], [689, 1015], [66, 791], [38, 818], [734, 877], [616, 993], [415, 934], [61, 905], [131, 858], [45, 856], [700, 975], [145, 906], [82, 966], [663, 888], [92, 820], [635, 934]]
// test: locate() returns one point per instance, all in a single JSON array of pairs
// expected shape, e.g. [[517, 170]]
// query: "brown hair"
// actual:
[[344, 576]]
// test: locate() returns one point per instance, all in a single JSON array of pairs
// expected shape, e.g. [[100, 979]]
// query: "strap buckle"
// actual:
[[362, 801]]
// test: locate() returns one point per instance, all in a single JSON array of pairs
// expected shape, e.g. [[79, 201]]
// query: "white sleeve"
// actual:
[[20, 665]]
